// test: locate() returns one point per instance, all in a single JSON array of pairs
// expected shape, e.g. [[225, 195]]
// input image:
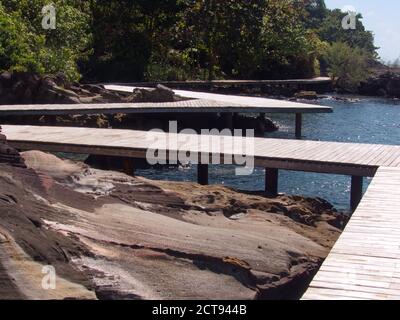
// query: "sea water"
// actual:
[[355, 119]]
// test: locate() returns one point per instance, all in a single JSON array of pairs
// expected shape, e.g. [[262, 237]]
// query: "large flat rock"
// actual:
[[113, 236]]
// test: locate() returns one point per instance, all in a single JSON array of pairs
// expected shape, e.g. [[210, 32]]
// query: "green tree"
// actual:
[[316, 12], [130, 34], [331, 30], [17, 44], [46, 51], [125, 40], [289, 48], [348, 66], [242, 39]]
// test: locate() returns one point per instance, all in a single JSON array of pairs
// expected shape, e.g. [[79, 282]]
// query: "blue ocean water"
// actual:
[[363, 120]]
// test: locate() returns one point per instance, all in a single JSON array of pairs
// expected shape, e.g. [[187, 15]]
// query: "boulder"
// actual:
[[307, 95], [159, 94], [5, 79], [28, 88], [9, 155], [386, 84], [112, 236]]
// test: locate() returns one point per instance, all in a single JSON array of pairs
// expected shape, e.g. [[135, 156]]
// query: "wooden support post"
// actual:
[[202, 174], [271, 181], [129, 168], [356, 192], [299, 123], [229, 120], [51, 120], [108, 163], [234, 121]]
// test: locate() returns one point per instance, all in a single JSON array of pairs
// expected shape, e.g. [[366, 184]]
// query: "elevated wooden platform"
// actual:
[[188, 106], [248, 104], [297, 83], [199, 103], [356, 160], [365, 261], [252, 104], [298, 155]]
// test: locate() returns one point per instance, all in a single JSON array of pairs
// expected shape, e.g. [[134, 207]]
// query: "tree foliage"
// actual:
[[130, 40], [29, 47], [347, 66], [331, 31]]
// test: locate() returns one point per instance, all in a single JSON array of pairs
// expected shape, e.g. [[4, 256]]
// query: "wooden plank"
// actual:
[[364, 262], [272, 153], [188, 106], [318, 293], [202, 174], [271, 181], [263, 105], [299, 124], [357, 288], [317, 80], [356, 191]]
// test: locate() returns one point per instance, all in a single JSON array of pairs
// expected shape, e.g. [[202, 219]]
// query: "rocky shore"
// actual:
[[382, 85], [27, 88], [112, 236]]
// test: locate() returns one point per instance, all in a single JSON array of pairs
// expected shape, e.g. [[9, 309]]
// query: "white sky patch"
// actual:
[[348, 8], [369, 14], [379, 16]]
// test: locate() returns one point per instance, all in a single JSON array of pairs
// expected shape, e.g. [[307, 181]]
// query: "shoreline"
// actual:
[[106, 222]]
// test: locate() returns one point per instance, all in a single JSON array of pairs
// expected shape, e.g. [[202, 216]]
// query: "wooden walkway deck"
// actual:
[[216, 83], [356, 160], [249, 104], [199, 103], [188, 106], [365, 261], [252, 104], [299, 155]]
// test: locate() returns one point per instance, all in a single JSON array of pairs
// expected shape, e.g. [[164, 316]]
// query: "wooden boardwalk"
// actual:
[[224, 83], [199, 103], [299, 155], [365, 261], [248, 104], [251, 104], [356, 160], [188, 106]]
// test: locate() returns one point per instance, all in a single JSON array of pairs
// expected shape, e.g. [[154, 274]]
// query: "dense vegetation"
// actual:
[[181, 39]]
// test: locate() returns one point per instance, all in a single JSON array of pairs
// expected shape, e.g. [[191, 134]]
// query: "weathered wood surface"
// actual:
[[188, 106], [365, 261], [317, 80], [311, 156], [249, 104]]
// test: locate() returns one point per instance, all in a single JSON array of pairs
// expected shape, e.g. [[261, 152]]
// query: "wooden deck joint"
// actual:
[[356, 192], [202, 174], [271, 181], [298, 125]]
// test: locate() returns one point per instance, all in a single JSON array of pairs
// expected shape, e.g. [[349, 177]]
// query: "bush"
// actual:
[[26, 46], [17, 44], [347, 66]]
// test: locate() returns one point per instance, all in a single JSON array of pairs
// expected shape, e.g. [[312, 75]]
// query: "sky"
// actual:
[[382, 18]]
